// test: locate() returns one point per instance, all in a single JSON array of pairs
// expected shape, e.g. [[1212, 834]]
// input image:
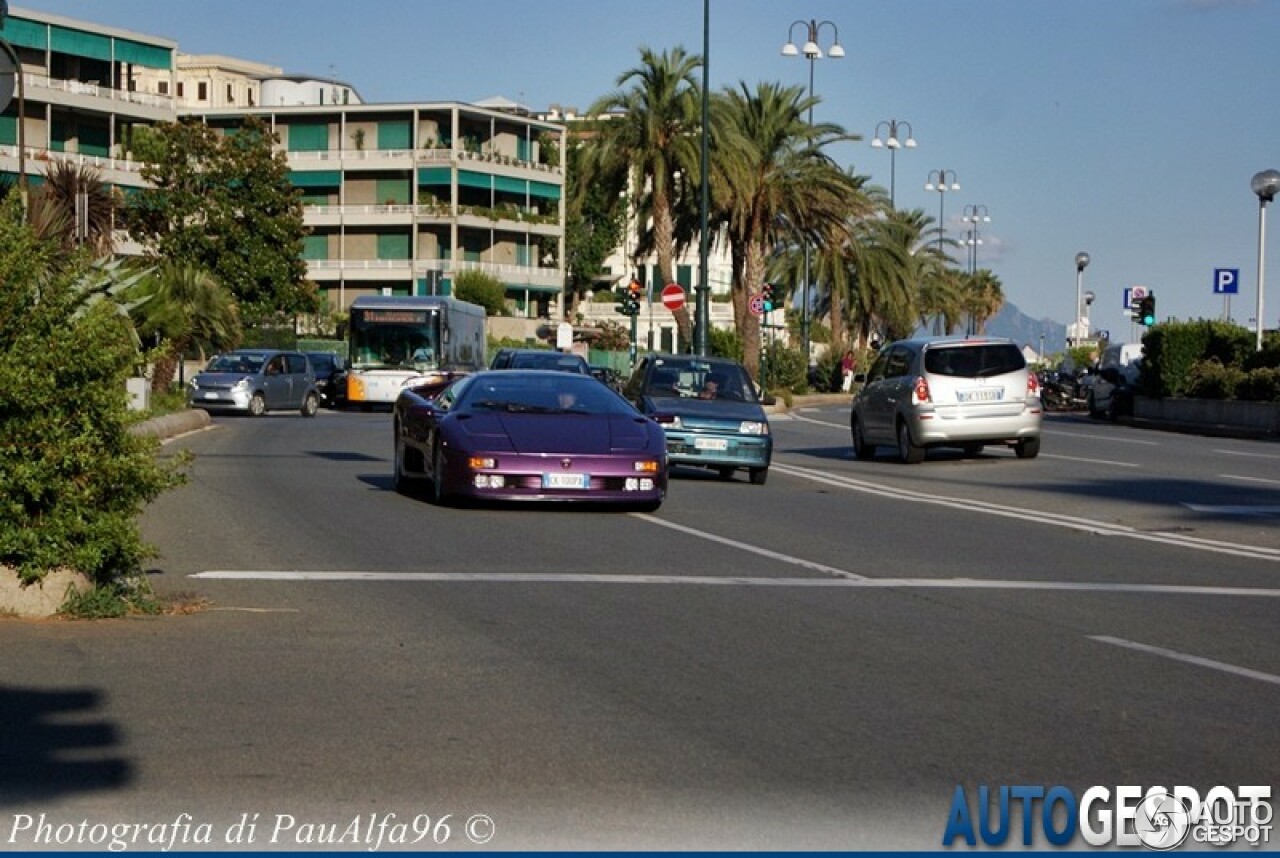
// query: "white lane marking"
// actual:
[[1238, 509], [795, 416], [1249, 479], [754, 549], [736, 581], [1108, 438], [1107, 462], [256, 610], [1244, 453], [1188, 659], [1098, 528]]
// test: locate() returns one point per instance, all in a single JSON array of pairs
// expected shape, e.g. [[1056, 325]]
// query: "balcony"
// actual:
[[113, 171], [536, 277], [91, 95]]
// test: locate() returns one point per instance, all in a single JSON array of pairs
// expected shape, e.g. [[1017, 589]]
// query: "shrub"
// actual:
[[73, 479], [788, 370], [1209, 379], [725, 343], [1260, 385]]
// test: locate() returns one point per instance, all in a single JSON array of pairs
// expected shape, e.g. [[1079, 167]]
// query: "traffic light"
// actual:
[[766, 293], [1147, 310], [629, 299]]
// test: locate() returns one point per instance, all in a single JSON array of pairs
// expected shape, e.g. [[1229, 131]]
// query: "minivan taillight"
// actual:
[[920, 392], [1033, 385]]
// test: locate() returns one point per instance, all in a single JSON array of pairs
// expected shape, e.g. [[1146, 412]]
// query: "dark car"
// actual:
[[609, 377], [709, 410], [255, 381], [539, 359], [529, 435], [331, 377]]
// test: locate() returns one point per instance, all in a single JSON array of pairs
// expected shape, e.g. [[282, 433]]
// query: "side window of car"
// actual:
[[635, 384], [275, 366], [898, 361], [296, 364], [877, 369]]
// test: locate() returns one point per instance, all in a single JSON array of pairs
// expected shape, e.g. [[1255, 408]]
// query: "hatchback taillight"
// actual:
[[920, 392]]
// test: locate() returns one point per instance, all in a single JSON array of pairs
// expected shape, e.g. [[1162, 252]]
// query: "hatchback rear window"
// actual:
[[974, 361]]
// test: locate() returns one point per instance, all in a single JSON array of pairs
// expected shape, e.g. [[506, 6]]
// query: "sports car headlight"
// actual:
[[753, 427]]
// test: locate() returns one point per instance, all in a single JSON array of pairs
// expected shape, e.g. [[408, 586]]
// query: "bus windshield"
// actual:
[[395, 339]]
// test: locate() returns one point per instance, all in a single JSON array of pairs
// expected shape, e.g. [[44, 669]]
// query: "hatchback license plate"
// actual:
[[566, 481], [710, 444], [987, 394]]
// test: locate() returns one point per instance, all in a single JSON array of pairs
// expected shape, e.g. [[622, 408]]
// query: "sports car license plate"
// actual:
[[566, 481], [710, 444], [985, 394]]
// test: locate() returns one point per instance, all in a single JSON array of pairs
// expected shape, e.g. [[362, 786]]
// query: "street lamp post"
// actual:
[[1265, 185], [811, 52], [893, 143], [974, 215], [942, 181], [1082, 260]]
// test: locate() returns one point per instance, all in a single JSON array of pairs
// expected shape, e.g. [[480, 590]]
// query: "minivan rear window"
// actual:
[[974, 361]]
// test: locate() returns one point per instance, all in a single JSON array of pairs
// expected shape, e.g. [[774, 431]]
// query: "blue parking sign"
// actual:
[[1226, 281]]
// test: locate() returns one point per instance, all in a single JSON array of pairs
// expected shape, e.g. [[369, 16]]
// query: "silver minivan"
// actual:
[[964, 393], [256, 381]]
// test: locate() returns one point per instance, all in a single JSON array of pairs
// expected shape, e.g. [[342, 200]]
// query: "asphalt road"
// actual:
[[812, 664]]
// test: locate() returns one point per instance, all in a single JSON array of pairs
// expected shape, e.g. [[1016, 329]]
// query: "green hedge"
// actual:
[[1208, 359]]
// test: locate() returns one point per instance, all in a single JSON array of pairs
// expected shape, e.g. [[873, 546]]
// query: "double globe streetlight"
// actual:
[[942, 181], [810, 51], [893, 143], [1082, 261], [1265, 185], [974, 215]]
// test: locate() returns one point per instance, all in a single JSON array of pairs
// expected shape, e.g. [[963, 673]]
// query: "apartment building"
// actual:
[[400, 198]]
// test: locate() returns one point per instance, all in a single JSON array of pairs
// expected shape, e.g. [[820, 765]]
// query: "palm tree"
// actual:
[[74, 207], [772, 183], [652, 132], [982, 298], [184, 306], [883, 294]]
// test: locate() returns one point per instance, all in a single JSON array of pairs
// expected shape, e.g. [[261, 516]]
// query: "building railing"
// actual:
[[37, 156], [435, 156], [97, 90]]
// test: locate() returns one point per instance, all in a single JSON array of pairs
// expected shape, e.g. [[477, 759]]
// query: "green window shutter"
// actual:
[[315, 178], [79, 43], [393, 245], [9, 130], [393, 191], [26, 34], [94, 141], [543, 189], [522, 149], [58, 133], [522, 254], [434, 175], [684, 276], [151, 56], [394, 135], [308, 136], [472, 179], [315, 247], [510, 185]]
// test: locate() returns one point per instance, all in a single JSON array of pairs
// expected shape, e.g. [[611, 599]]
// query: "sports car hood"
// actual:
[[581, 434]]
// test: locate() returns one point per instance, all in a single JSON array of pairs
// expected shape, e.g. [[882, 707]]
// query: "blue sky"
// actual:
[[1128, 129]]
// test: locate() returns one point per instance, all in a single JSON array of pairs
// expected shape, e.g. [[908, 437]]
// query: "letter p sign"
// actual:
[[1226, 281]]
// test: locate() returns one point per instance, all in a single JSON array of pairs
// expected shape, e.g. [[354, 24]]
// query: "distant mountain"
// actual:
[[1015, 325], [1025, 331]]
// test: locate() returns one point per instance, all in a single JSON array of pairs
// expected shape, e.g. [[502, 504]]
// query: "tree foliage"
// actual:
[[483, 289], [73, 479], [183, 306], [223, 202]]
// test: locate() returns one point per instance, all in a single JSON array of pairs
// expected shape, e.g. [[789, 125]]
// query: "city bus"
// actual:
[[395, 342]]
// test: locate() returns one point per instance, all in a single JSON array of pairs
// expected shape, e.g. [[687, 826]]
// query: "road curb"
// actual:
[[172, 425]]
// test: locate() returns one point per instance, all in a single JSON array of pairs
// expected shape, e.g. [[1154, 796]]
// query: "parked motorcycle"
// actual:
[[1061, 392]]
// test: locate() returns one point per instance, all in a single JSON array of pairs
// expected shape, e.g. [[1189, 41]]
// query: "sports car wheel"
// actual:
[[257, 405]]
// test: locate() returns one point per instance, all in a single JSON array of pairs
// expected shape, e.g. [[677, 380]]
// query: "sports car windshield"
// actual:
[[552, 394]]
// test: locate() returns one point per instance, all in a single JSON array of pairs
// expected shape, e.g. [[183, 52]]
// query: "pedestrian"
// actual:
[[847, 365]]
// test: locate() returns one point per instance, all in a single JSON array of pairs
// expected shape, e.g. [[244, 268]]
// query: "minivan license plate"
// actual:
[[985, 394], [566, 481]]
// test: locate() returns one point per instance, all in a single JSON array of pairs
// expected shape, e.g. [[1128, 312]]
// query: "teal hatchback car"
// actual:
[[709, 410]]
